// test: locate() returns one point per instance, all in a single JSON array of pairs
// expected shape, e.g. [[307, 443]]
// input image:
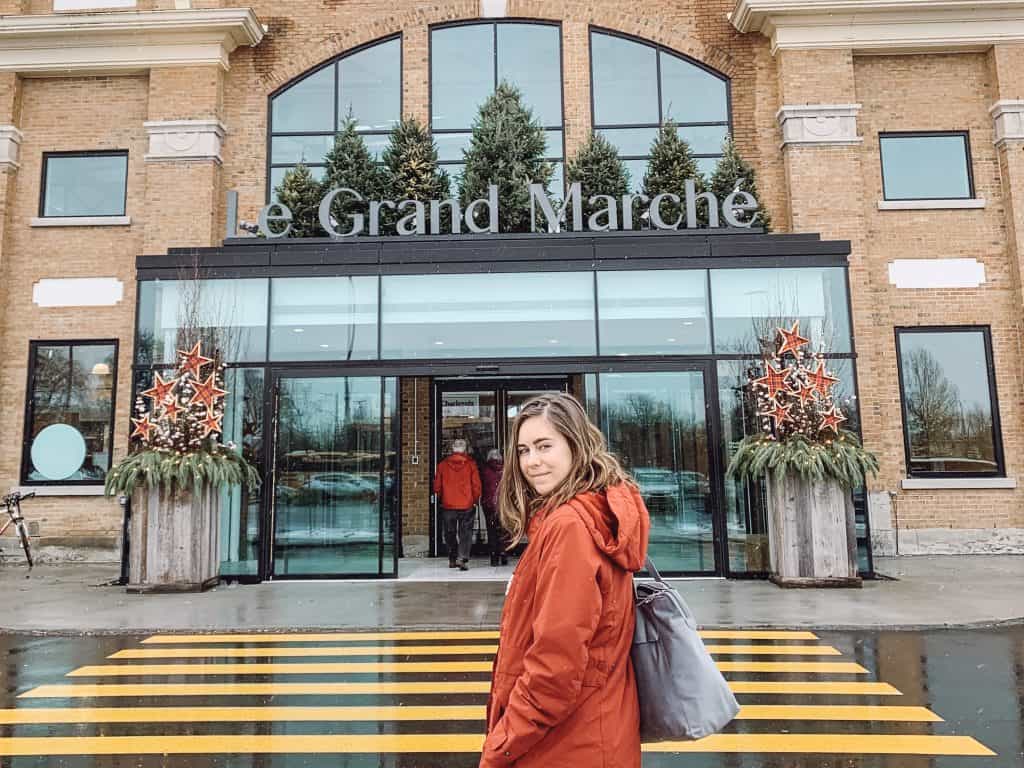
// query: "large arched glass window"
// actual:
[[637, 86], [365, 83], [467, 61]]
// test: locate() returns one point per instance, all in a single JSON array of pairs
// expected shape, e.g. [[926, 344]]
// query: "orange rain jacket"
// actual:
[[457, 483], [563, 694]]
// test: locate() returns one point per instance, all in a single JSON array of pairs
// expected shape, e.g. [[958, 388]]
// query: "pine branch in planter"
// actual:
[[220, 468], [843, 459]]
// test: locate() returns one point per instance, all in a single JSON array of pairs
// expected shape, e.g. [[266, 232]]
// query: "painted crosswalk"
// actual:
[[423, 693]]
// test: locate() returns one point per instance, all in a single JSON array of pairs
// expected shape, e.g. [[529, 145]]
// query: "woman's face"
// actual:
[[544, 455]]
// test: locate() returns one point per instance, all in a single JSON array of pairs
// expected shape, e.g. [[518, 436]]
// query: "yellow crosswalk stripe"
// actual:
[[425, 650], [320, 637], [410, 667], [756, 743], [104, 690], [51, 715]]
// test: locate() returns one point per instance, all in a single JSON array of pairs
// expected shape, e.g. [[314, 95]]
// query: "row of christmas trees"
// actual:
[[507, 148]]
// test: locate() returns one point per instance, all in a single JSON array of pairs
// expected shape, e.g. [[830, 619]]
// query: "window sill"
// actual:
[[80, 221], [62, 490], [930, 205], [957, 483]]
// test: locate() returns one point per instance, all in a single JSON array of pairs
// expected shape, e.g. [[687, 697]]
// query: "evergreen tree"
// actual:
[[506, 149], [671, 165], [410, 168], [733, 172], [350, 164], [302, 194], [598, 169]]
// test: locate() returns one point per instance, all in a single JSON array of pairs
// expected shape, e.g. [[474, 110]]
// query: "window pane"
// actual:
[[529, 57], [749, 304], [946, 402], [427, 316], [705, 139], [557, 186], [553, 144], [300, 149], [71, 392], [370, 86], [631, 141], [690, 94], [277, 176], [925, 167], [707, 165], [636, 169], [229, 314], [306, 106], [451, 145], [653, 313], [240, 508], [323, 318], [85, 186], [625, 81], [462, 73]]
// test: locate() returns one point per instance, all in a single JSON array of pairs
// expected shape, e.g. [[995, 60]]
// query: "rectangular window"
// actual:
[[926, 166], [323, 318], [69, 414], [950, 414], [84, 184]]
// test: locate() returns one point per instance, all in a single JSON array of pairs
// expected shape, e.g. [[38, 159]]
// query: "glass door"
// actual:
[[335, 483]]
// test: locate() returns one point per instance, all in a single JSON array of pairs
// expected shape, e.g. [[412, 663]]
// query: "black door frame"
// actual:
[[268, 521]]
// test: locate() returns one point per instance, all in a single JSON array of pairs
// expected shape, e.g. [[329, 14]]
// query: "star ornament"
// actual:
[[161, 390], [193, 361], [210, 424], [805, 394], [206, 392], [831, 419], [171, 410], [821, 381], [774, 380], [792, 341], [143, 427], [779, 413]]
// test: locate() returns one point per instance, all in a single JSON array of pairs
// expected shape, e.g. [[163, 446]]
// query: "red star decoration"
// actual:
[[779, 413], [210, 424], [171, 410], [821, 381], [143, 427], [206, 392], [193, 361], [791, 339], [806, 394], [774, 380], [161, 390], [831, 419]]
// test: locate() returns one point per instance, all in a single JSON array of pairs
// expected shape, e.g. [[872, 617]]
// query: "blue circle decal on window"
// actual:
[[58, 452]]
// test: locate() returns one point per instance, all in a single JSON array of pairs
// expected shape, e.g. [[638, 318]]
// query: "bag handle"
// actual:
[[649, 567]]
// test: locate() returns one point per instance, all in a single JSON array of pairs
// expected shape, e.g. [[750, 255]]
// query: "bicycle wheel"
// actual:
[[25, 545]]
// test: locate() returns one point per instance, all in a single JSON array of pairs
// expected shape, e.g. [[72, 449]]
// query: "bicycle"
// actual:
[[12, 501]]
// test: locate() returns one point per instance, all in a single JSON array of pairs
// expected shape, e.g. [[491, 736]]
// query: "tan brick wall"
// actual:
[[416, 479], [833, 191]]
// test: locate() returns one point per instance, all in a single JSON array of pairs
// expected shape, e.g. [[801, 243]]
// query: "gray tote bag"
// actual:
[[682, 693]]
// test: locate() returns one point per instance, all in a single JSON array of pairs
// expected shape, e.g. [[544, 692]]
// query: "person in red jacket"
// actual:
[[490, 474], [563, 692], [457, 485]]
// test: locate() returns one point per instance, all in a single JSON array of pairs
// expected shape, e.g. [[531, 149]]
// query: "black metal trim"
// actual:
[[997, 433], [965, 135], [47, 156], [29, 410]]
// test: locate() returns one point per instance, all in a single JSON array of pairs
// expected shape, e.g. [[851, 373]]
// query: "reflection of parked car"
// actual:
[[694, 482], [659, 489], [342, 485]]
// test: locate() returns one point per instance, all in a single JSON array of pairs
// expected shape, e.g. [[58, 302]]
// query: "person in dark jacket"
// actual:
[[490, 476], [457, 485]]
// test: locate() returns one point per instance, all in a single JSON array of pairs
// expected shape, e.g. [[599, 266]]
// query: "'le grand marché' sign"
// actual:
[[739, 209]]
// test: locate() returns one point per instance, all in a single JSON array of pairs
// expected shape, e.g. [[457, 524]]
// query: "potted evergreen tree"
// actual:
[[670, 166], [302, 194], [732, 172], [810, 464], [600, 171], [411, 172]]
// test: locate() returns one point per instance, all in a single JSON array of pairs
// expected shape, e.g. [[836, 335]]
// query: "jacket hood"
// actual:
[[618, 522], [458, 459]]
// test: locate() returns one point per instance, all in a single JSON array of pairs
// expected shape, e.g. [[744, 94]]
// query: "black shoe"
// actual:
[[504, 560], [452, 563], [463, 565], [494, 561]]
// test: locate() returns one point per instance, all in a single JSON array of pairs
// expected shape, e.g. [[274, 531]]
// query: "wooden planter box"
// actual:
[[811, 533], [175, 541]]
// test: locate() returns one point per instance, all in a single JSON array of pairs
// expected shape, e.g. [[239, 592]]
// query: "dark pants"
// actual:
[[497, 537], [458, 532]]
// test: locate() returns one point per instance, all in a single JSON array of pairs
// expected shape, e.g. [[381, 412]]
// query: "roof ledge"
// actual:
[[123, 41], [883, 26]]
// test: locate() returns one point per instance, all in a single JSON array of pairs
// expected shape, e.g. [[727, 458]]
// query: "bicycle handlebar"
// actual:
[[17, 496]]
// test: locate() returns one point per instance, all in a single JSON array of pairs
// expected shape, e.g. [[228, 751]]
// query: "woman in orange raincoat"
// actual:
[[563, 694]]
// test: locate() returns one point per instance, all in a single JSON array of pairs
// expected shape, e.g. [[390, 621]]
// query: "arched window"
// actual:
[[365, 83], [467, 61], [636, 86]]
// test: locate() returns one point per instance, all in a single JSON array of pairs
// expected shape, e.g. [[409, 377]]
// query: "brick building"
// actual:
[[889, 144]]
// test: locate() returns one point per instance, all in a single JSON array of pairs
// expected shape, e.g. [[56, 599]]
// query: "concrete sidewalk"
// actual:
[[927, 592]]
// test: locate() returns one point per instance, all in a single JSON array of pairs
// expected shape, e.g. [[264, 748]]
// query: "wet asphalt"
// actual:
[[823, 699]]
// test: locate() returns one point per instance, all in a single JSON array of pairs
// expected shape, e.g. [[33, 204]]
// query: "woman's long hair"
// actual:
[[594, 468]]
